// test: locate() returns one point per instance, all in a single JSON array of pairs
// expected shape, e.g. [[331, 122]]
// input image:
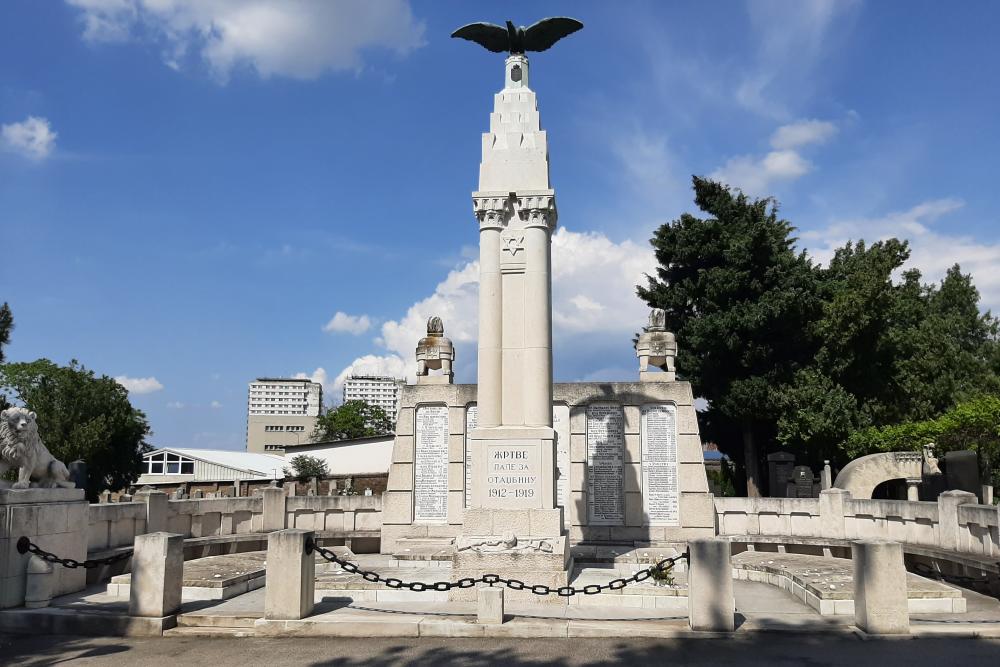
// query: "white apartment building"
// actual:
[[380, 390], [281, 411]]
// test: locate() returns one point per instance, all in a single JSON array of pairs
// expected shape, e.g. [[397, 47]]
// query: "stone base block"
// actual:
[[433, 379], [537, 523], [530, 578], [657, 376], [482, 558]]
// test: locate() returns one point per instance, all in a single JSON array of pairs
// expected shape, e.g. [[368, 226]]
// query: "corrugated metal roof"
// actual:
[[262, 464]]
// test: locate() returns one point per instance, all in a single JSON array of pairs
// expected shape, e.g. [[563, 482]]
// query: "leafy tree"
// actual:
[[973, 424], [6, 326], [304, 465], [352, 419], [82, 416], [742, 303]]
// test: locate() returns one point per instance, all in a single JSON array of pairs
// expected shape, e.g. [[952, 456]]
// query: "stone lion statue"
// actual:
[[22, 449]]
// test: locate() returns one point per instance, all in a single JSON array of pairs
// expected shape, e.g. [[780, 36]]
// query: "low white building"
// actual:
[[358, 456], [173, 466]]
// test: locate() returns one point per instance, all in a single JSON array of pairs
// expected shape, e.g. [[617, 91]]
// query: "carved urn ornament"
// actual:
[[656, 347], [435, 352]]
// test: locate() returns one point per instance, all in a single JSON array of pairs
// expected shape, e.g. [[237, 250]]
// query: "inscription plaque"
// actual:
[[605, 465], [430, 470], [660, 489], [560, 423], [512, 473], [471, 419]]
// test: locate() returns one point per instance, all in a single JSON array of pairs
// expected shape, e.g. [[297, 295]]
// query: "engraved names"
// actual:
[[605, 465], [430, 470], [660, 489]]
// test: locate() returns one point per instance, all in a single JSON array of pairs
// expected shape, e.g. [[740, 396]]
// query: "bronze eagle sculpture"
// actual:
[[536, 37]]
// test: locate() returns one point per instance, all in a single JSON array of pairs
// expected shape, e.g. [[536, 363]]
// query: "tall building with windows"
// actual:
[[281, 411], [380, 390]]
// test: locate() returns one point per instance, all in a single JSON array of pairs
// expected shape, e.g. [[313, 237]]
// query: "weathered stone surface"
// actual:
[[291, 575], [157, 575], [880, 602], [489, 610], [711, 604]]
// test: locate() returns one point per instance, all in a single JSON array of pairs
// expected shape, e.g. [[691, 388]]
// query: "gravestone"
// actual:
[[779, 472]]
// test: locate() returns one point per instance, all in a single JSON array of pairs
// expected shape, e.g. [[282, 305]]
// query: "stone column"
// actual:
[[710, 585], [39, 583], [948, 528], [291, 576], [273, 501], [913, 490], [880, 600], [157, 575], [156, 509], [490, 213], [537, 380]]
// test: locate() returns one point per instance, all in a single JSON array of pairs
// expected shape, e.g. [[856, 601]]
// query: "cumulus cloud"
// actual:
[[756, 175], [593, 292], [932, 251], [139, 385], [344, 323], [175, 405], [33, 138], [802, 133], [296, 38]]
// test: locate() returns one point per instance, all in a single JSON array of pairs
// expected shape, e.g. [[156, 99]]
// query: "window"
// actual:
[[166, 463]]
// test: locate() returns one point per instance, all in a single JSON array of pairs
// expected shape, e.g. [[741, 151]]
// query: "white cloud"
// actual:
[[175, 405], [215, 405], [756, 175], [32, 138], [593, 292], [932, 252], [802, 133], [139, 385], [296, 38], [352, 324]]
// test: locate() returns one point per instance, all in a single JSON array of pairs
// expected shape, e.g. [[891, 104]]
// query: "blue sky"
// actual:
[[191, 191]]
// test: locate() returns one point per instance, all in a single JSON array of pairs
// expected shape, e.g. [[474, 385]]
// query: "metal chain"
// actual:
[[24, 546], [493, 579]]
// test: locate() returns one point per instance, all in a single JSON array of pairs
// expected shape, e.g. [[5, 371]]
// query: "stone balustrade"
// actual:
[[950, 524], [115, 525]]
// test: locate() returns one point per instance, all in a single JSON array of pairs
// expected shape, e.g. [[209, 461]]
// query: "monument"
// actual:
[[514, 474]]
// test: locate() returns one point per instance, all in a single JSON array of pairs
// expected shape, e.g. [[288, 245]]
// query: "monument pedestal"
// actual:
[[532, 560], [54, 519]]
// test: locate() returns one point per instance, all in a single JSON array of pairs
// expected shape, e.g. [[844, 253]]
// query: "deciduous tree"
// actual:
[[352, 419]]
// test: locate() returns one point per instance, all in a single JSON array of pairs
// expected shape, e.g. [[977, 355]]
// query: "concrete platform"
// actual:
[[827, 584]]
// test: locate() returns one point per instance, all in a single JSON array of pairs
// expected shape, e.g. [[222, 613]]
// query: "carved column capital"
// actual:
[[492, 212], [537, 210]]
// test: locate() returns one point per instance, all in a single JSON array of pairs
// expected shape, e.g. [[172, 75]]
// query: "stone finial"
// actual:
[[656, 347], [657, 320], [435, 352]]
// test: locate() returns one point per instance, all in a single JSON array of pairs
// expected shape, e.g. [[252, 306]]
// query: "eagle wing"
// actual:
[[543, 34], [488, 35]]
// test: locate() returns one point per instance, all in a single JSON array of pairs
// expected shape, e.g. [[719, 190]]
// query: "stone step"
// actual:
[[216, 620], [208, 632]]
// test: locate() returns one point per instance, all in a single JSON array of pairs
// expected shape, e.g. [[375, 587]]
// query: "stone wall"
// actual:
[[948, 525], [609, 501]]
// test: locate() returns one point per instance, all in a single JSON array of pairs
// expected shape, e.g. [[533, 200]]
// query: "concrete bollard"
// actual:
[[880, 600], [274, 509], [156, 509], [290, 586], [157, 575], [489, 610], [39, 583], [948, 528], [711, 604]]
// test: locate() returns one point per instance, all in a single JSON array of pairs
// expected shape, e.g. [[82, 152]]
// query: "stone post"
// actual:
[[289, 593], [156, 509], [236, 489], [39, 583], [157, 575], [710, 585], [489, 610], [948, 528], [826, 477], [831, 512], [880, 600], [987, 494], [274, 508], [913, 490]]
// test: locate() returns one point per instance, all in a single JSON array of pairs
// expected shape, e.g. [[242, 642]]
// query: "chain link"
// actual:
[[26, 546], [493, 579]]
